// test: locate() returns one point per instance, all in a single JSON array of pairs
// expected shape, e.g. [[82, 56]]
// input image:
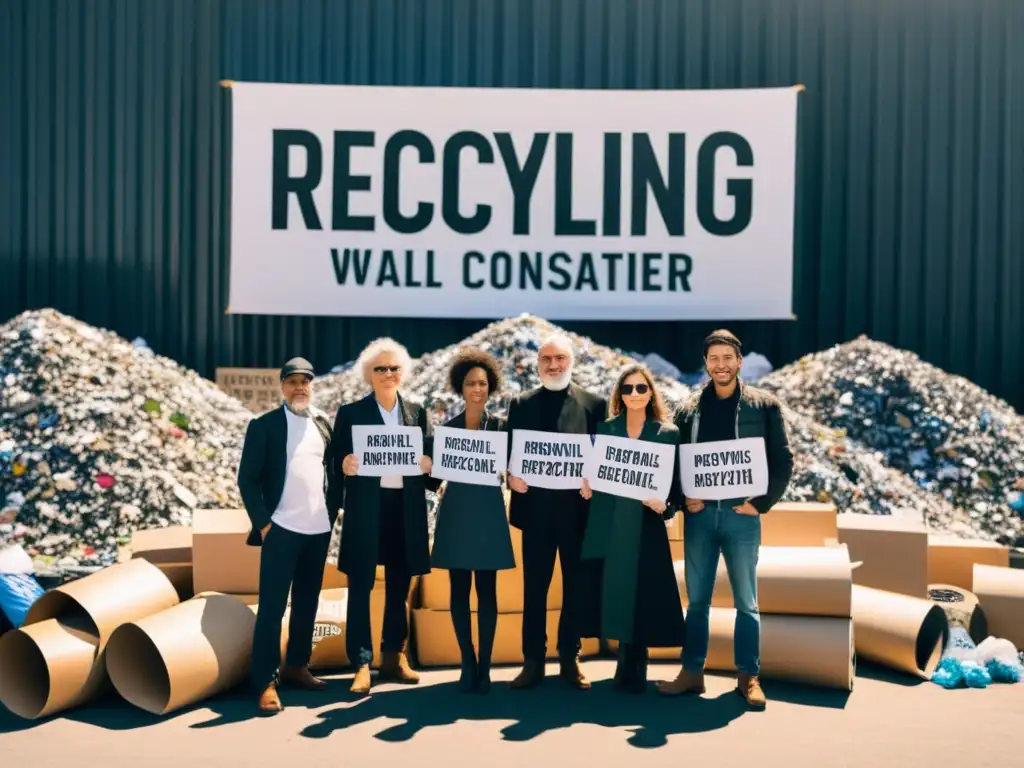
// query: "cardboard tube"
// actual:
[[47, 667], [1001, 594], [795, 581], [182, 655], [62, 624], [815, 650], [961, 608], [904, 633]]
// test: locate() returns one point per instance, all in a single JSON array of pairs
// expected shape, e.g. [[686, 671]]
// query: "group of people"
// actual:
[[618, 581]]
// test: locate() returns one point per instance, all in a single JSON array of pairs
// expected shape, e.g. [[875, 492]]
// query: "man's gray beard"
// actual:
[[557, 385], [301, 410]]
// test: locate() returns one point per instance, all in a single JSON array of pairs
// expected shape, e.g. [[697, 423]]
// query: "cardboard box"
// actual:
[[221, 560], [258, 389], [799, 524], [893, 552], [676, 548], [170, 550], [1000, 591], [674, 527], [951, 560], [436, 645], [435, 592]]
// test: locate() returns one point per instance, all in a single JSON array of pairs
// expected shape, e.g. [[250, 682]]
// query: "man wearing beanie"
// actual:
[[284, 484], [728, 409]]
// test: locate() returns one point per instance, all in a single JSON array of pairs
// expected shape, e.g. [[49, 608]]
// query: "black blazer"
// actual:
[[580, 415], [360, 496], [262, 467]]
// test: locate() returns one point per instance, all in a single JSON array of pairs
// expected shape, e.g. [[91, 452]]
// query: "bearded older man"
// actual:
[[552, 521], [284, 482]]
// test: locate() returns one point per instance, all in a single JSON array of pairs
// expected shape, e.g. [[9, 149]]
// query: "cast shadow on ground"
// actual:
[[871, 671], [650, 718]]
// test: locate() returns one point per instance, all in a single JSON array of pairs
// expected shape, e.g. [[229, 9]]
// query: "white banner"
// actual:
[[634, 469], [549, 459], [725, 469], [386, 450], [469, 455], [491, 202]]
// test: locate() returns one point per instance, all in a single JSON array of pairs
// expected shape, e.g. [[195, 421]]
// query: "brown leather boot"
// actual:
[[301, 677], [270, 702], [572, 673], [362, 680], [395, 668], [531, 676], [749, 687], [685, 682]]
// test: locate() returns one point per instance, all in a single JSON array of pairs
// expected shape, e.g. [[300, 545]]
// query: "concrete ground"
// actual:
[[886, 721]]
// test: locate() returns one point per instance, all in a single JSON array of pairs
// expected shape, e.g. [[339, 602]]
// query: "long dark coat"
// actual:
[[636, 598], [360, 496]]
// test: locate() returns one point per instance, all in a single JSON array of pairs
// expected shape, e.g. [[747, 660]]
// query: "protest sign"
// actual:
[[549, 459], [724, 469], [633, 469], [469, 455], [385, 450]]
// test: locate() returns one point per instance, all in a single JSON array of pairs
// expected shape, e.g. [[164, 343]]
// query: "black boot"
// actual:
[[487, 623], [464, 635], [638, 680], [622, 670]]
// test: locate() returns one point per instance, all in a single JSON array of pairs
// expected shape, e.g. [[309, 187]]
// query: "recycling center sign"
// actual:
[[491, 202]]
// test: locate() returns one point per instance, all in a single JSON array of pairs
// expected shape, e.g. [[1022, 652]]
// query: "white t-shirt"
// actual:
[[391, 419], [302, 508]]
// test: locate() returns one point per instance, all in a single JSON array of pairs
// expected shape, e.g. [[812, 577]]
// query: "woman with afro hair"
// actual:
[[471, 537]]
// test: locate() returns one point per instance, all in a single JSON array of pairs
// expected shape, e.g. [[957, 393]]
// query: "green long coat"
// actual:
[[632, 594]]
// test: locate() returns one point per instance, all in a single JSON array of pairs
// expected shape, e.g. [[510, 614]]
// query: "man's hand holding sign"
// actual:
[[551, 460], [724, 469]]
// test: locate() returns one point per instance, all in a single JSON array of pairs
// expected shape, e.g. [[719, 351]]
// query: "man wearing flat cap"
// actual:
[[283, 480]]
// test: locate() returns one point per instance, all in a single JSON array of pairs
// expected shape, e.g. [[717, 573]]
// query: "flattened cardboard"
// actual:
[[904, 633], [163, 545], [45, 668], [1001, 594], [962, 609], [436, 645], [799, 581], [951, 560], [435, 592], [893, 551], [798, 524], [258, 389], [221, 560], [182, 655]]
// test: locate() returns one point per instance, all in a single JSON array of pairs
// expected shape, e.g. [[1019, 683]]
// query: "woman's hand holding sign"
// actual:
[[350, 466], [426, 464], [657, 505], [517, 484], [585, 491]]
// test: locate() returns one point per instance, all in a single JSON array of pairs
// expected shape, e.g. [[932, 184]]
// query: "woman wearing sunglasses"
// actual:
[[384, 521], [635, 600]]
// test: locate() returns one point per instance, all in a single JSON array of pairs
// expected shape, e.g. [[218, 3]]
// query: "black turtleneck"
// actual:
[[717, 416], [551, 407]]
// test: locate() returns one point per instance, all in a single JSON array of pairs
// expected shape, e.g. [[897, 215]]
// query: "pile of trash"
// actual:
[[99, 438], [950, 437]]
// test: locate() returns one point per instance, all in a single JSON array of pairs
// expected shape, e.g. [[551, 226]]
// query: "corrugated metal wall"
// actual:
[[114, 155]]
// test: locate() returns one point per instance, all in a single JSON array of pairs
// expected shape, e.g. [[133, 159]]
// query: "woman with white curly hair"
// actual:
[[385, 518]]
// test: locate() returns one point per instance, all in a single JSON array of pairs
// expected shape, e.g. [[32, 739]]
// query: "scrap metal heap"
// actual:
[[99, 438]]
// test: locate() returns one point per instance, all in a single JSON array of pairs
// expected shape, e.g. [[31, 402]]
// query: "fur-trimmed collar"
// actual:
[[749, 395]]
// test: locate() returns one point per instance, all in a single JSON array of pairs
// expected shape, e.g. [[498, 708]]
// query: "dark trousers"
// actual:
[[550, 532], [487, 613], [397, 580], [295, 562]]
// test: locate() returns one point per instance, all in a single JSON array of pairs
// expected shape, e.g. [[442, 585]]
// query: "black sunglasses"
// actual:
[[641, 389], [387, 369]]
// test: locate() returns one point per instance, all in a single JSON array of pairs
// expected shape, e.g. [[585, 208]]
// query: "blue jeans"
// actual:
[[719, 529]]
